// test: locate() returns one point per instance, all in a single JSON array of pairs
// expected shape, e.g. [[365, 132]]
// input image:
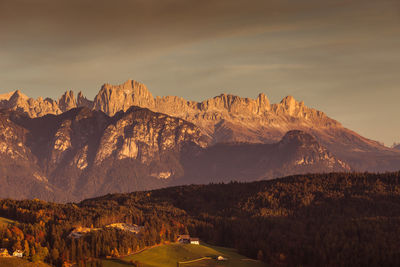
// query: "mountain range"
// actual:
[[126, 140]]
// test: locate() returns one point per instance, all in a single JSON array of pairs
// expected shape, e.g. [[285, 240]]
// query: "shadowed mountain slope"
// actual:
[[85, 153]]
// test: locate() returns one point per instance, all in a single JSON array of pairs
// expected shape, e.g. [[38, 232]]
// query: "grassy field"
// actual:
[[5, 221], [16, 262], [169, 255]]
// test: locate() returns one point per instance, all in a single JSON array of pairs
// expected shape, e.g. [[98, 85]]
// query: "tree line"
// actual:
[[311, 220]]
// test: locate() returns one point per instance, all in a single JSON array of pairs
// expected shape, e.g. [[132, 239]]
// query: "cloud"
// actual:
[[323, 52], [266, 67]]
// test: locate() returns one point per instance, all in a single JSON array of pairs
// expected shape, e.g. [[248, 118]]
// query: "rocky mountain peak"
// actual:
[[67, 101], [129, 88], [17, 96], [6, 96], [263, 101], [288, 101], [82, 101], [114, 98], [290, 105]]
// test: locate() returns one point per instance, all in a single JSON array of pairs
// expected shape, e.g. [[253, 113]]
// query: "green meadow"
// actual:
[[187, 255]]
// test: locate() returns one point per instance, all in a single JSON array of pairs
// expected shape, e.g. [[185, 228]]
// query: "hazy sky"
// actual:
[[342, 57]]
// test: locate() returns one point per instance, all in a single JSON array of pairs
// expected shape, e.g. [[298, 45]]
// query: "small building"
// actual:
[[4, 252], [194, 241], [18, 253], [184, 239]]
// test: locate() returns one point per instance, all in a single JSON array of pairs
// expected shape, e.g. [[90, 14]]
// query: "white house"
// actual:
[[220, 258], [194, 241], [18, 253]]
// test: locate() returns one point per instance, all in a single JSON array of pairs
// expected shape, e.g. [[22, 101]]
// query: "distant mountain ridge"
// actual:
[[85, 153], [226, 118]]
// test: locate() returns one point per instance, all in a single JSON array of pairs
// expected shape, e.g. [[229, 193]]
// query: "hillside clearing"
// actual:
[[5, 221], [169, 255]]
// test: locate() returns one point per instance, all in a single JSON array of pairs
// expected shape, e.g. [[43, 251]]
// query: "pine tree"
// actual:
[[55, 254], [33, 253], [26, 249], [73, 250]]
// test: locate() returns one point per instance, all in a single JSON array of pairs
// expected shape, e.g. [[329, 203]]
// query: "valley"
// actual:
[[186, 255], [313, 219]]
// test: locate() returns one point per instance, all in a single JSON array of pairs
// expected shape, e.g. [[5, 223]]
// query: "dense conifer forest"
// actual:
[[332, 219]]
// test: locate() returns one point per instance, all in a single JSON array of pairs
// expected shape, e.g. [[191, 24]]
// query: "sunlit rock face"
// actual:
[[143, 135], [211, 115], [32, 107], [224, 118], [229, 118], [112, 99], [11, 139], [86, 153], [20, 174], [67, 101], [40, 107]]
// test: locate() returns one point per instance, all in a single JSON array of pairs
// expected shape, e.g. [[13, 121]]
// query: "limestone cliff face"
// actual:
[[11, 139], [20, 174], [67, 101], [143, 135], [79, 151], [6, 96], [112, 99], [32, 107], [229, 118], [39, 107], [224, 118], [220, 117]]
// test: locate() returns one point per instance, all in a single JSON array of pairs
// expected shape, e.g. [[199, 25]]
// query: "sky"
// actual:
[[341, 57]]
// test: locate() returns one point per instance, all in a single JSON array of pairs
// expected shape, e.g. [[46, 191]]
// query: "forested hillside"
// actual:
[[310, 220]]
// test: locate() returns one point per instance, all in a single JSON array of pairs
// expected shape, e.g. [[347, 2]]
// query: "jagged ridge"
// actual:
[[227, 118]]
